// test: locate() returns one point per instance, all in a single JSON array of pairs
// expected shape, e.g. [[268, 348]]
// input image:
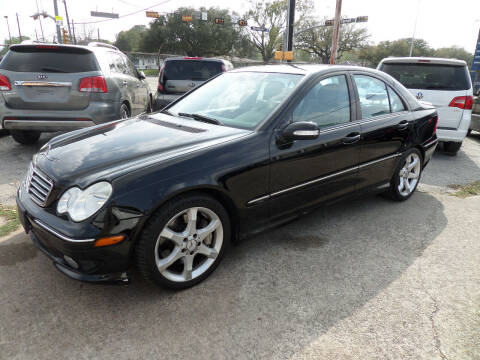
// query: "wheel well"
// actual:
[[222, 198]]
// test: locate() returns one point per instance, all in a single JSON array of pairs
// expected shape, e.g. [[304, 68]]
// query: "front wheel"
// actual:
[[407, 175], [184, 241], [25, 137]]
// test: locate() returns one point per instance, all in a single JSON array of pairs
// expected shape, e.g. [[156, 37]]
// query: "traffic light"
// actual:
[[66, 38], [219, 21], [242, 22]]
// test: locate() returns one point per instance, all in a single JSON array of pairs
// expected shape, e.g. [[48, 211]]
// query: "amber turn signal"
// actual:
[[109, 240]]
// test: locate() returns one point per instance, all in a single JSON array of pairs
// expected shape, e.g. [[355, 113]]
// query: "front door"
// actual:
[[307, 172]]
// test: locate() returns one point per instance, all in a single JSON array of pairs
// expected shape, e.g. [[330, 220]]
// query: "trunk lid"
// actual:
[[46, 77]]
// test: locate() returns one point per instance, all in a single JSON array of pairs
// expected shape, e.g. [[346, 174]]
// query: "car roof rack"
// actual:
[[100, 44]]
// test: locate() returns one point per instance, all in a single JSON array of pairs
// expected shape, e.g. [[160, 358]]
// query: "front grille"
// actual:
[[39, 186]]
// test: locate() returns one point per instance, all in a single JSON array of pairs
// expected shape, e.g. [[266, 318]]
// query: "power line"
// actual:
[[122, 16]]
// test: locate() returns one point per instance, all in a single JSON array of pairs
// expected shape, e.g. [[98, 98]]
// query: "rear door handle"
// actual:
[[402, 125], [351, 138]]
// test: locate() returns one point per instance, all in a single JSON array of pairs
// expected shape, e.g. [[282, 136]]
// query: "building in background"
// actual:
[[144, 61]]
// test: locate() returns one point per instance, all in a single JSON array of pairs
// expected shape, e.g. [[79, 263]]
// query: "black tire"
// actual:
[[149, 105], [25, 137], [124, 111], [394, 192], [469, 132], [146, 246], [452, 148]]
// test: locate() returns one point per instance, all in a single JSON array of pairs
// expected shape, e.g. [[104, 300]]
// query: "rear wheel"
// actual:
[[25, 137], [452, 147], [124, 111], [407, 175], [184, 241]]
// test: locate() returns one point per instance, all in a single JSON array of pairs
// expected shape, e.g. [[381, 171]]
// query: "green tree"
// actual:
[[455, 52], [318, 41], [131, 39], [15, 40]]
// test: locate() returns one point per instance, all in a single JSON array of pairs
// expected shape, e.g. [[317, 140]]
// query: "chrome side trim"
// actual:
[[61, 236], [431, 143], [378, 160], [323, 178], [43, 83]]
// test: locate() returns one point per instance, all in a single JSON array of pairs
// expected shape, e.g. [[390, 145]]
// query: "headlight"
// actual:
[[81, 204]]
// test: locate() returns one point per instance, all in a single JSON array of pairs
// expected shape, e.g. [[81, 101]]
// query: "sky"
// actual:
[[441, 23]]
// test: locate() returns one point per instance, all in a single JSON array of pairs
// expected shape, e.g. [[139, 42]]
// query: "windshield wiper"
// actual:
[[167, 112], [202, 118]]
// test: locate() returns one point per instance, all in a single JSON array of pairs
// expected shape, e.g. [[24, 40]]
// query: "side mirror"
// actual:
[[141, 75], [302, 130]]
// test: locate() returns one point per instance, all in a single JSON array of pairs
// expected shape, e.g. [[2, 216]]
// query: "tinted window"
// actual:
[[49, 61], [241, 99], [429, 76], [396, 102], [191, 69], [327, 103], [373, 96]]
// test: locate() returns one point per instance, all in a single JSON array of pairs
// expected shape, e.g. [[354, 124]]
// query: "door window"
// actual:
[[395, 102], [117, 64], [373, 96], [131, 70], [327, 103]]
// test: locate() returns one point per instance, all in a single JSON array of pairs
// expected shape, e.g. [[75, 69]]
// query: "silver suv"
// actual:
[[178, 75], [51, 87]]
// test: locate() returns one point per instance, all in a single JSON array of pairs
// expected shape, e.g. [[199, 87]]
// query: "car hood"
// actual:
[[113, 149]]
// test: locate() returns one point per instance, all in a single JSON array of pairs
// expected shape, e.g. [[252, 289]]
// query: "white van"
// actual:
[[446, 84]]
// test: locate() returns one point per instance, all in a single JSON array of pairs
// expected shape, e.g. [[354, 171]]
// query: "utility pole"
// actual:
[[59, 34], [290, 24], [36, 36], [40, 19], [8, 26], [73, 30], [68, 20], [19, 33], [336, 32], [414, 29], [98, 34]]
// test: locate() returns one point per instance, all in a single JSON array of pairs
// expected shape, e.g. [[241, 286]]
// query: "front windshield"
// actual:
[[239, 99]]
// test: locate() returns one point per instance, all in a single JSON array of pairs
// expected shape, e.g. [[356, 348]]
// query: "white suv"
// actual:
[[446, 84]]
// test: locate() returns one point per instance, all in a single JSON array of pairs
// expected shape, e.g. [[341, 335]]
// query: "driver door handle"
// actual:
[[351, 138], [402, 125]]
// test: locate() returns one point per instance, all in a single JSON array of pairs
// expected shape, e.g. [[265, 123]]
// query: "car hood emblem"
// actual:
[[419, 96], [42, 76]]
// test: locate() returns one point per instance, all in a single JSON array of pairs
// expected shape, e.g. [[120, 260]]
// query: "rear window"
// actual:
[[191, 69], [429, 76], [49, 60]]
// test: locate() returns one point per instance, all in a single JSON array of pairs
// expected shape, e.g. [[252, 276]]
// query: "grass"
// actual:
[[151, 72], [12, 224], [464, 191]]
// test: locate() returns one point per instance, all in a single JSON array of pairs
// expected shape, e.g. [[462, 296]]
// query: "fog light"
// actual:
[[70, 261], [109, 240]]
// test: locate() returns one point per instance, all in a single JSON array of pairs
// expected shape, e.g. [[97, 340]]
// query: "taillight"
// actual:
[[95, 84], [4, 83], [462, 102], [160, 76]]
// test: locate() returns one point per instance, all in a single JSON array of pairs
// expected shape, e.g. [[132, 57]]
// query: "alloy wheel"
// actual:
[[189, 244], [409, 174]]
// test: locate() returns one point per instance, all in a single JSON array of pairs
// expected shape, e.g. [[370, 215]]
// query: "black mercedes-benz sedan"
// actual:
[[249, 149]]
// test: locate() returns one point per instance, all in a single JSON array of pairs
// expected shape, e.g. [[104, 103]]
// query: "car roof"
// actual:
[[424, 60], [194, 58], [304, 69], [93, 46]]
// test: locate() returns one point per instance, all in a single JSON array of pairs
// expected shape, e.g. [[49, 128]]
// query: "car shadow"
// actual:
[[281, 289]]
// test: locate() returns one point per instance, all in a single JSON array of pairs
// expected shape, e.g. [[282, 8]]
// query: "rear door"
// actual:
[[47, 77], [136, 88], [182, 75], [436, 83]]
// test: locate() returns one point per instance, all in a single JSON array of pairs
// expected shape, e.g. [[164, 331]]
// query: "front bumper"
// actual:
[[74, 256]]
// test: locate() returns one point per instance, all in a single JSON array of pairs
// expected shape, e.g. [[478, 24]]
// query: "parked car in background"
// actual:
[[247, 150], [475, 124], [51, 87], [179, 75], [446, 84]]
